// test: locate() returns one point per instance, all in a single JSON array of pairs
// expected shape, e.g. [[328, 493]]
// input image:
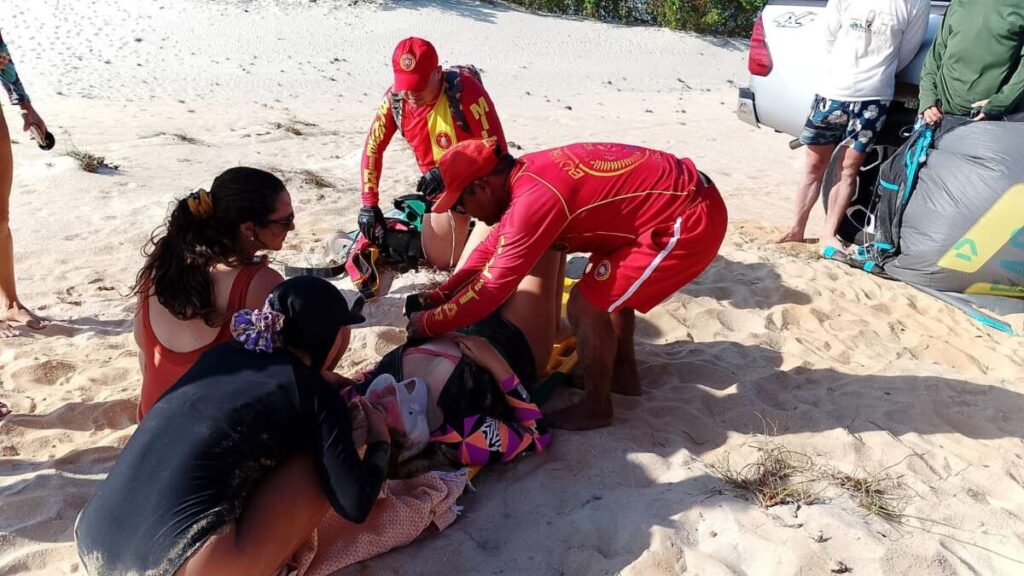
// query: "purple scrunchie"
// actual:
[[257, 329]]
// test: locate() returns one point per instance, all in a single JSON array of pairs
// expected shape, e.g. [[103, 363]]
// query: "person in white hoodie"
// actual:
[[866, 43]]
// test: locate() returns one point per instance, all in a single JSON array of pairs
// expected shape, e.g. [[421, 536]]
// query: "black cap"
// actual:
[[314, 310]]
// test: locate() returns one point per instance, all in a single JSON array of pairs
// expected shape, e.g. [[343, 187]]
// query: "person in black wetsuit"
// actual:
[[229, 471]]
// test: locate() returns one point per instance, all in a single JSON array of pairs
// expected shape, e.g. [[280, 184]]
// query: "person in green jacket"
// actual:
[[974, 66]]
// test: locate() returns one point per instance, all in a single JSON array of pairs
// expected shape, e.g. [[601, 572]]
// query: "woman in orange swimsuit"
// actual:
[[203, 269]]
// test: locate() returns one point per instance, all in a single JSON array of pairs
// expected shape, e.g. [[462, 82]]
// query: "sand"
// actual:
[[860, 373]]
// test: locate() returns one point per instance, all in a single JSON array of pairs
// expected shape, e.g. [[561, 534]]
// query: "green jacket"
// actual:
[[977, 56]]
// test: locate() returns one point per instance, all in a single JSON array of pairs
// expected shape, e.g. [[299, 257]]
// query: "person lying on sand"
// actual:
[[479, 408], [237, 463], [203, 269], [432, 108], [651, 221]]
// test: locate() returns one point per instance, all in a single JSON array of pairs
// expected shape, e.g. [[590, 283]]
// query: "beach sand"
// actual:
[[861, 374]]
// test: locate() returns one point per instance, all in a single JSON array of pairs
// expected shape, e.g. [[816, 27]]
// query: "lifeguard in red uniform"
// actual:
[[433, 109], [651, 222]]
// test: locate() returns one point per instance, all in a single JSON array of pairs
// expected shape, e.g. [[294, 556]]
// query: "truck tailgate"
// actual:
[[793, 32]]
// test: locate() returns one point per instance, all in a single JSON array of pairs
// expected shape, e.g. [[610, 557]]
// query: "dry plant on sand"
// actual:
[[783, 476], [88, 161], [879, 494], [314, 179], [778, 475], [307, 177], [294, 126], [183, 137]]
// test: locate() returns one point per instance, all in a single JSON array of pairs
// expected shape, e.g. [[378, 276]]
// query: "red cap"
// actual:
[[414, 59], [462, 165]]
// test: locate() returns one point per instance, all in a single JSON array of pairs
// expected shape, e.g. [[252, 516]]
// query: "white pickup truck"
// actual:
[[782, 83]]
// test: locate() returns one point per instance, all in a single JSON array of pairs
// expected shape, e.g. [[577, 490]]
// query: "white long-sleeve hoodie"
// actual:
[[867, 42]]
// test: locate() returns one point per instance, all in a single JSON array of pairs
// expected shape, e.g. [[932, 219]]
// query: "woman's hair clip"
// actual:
[[200, 204], [257, 329]]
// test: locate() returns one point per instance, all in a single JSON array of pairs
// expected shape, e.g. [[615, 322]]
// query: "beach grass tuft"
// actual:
[[90, 162], [878, 494], [307, 177], [778, 476]]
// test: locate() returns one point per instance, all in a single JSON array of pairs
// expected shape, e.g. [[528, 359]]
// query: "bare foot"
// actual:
[[577, 417], [791, 236], [7, 331], [836, 243], [18, 314]]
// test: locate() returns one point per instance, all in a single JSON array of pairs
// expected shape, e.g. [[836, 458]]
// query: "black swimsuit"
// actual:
[[186, 472], [471, 392]]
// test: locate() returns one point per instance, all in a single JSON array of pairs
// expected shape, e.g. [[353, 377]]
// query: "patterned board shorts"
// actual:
[[835, 122]]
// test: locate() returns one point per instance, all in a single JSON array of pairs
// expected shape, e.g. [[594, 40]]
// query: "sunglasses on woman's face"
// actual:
[[288, 220]]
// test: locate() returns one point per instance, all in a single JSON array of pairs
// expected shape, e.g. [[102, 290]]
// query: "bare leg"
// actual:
[[840, 198], [536, 293], [562, 329], [625, 381], [807, 193], [479, 233], [279, 516], [11, 309], [444, 237], [597, 353]]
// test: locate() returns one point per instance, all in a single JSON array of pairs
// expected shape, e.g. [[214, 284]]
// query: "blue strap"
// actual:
[[991, 322], [920, 155]]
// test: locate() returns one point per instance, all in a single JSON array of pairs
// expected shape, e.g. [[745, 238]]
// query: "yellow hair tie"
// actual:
[[200, 203]]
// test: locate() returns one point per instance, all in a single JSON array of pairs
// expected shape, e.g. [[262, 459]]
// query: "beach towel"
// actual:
[[405, 510]]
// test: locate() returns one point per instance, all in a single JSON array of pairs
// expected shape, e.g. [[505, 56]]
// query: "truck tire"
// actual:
[[852, 226]]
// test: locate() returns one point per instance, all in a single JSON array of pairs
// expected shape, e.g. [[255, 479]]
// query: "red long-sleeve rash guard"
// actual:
[[590, 197], [430, 130]]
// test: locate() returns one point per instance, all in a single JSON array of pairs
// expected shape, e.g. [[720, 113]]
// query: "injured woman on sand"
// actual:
[[476, 381]]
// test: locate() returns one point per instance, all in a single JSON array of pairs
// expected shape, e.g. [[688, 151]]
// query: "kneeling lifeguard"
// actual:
[[651, 222]]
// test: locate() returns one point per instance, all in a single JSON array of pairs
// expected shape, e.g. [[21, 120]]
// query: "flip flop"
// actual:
[[833, 253]]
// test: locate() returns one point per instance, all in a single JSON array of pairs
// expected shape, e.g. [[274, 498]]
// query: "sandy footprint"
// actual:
[[82, 416], [87, 460], [45, 373], [942, 353]]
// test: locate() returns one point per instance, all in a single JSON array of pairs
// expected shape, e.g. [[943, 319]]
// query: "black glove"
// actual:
[[413, 303], [431, 184], [371, 224], [421, 302]]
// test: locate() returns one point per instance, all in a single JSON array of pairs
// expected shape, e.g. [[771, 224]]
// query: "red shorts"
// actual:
[[661, 261]]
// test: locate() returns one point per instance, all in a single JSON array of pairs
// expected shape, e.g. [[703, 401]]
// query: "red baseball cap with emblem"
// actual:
[[465, 163], [413, 61]]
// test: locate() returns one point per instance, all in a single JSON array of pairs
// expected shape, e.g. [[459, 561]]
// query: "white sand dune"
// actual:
[[860, 373]]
